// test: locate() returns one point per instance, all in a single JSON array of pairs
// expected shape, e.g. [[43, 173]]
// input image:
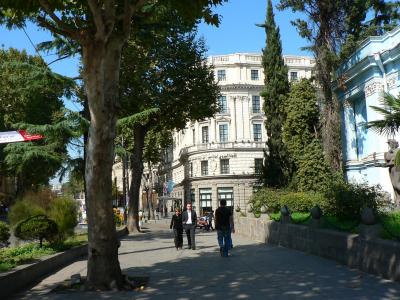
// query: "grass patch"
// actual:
[[333, 222], [275, 216], [300, 217], [391, 226], [12, 257]]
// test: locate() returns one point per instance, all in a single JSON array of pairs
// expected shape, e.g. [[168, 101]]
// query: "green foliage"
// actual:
[[301, 201], [275, 216], [11, 257], [37, 227], [277, 167], [339, 223], [346, 200], [274, 199], [31, 99], [391, 225], [64, 212], [302, 137], [313, 172], [4, 232], [270, 198], [23, 209], [301, 125], [300, 217], [390, 111]]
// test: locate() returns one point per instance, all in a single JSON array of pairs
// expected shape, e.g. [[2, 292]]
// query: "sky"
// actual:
[[237, 33]]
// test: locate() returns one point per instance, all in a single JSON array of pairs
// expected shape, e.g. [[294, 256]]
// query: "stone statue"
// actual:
[[394, 171]]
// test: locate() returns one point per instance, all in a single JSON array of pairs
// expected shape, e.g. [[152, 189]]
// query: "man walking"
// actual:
[[224, 225], [189, 220]]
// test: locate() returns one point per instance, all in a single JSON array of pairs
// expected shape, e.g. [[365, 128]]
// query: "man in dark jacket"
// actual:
[[176, 224], [224, 225], [189, 221]]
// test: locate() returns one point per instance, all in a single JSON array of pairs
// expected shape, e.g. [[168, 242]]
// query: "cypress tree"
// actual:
[[277, 164]]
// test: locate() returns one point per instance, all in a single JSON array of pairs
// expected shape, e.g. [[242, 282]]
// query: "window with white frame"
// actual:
[[224, 163], [255, 103], [258, 166], [205, 199], [223, 133], [223, 104], [226, 193], [221, 74], [254, 75], [293, 76], [204, 134], [257, 133], [190, 169], [204, 167]]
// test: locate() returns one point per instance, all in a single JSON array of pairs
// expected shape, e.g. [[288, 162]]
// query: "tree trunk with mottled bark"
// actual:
[[101, 73], [136, 178]]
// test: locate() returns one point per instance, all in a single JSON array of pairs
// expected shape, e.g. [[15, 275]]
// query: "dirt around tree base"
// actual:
[[78, 284]]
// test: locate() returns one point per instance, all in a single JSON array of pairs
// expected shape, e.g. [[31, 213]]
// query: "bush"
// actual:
[[118, 217], [37, 227], [346, 200], [4, 233], [22, 210], [301, 201], [273, 200], [391, 225], [64, 212], [270, 198]]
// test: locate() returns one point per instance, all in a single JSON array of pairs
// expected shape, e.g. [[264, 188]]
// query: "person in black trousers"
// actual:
[[176, 224], [189, 220]]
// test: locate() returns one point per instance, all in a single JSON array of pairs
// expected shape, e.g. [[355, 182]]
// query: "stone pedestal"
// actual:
[[369, 232]]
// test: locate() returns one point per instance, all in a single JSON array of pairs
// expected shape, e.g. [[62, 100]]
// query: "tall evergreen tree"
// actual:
[[277, 166]]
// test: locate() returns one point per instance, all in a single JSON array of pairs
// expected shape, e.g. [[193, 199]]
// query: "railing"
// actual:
[[227, 145]]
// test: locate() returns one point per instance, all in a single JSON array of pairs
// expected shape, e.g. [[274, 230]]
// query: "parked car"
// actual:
[[202, 222]]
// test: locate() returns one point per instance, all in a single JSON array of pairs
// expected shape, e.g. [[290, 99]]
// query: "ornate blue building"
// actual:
[[371, 71]]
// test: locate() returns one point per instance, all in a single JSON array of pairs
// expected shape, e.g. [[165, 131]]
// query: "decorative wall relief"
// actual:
[[392, 80], [372, 88]]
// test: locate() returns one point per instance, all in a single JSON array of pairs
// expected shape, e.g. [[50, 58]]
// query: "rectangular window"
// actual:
[[227, 194], [221, 75], [204, 134], [223, 133], [255, 101], [254, 74], [190, 169], [224, 166], [293, 76], [192, 196], [258, 166], [204, 167], [257, 132], [205, 200], [223, 105]]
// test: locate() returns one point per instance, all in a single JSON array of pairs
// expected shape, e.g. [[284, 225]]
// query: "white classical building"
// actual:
[[221, 157]]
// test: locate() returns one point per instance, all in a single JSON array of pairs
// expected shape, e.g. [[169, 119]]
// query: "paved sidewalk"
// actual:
[[254, 271]]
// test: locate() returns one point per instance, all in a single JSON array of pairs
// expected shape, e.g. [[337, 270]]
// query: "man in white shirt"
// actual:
[[189, 220]]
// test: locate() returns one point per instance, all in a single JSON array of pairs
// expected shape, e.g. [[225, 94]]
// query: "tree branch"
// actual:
[[64, 29], [98, 20]]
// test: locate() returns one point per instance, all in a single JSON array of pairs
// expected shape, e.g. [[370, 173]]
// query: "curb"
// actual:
[[23, 276]]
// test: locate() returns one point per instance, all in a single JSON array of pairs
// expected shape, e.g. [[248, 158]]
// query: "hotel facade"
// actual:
[[372, 71], [222, 157]]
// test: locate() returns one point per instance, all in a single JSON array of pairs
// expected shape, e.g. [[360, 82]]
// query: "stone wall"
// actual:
[[372, 255]]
